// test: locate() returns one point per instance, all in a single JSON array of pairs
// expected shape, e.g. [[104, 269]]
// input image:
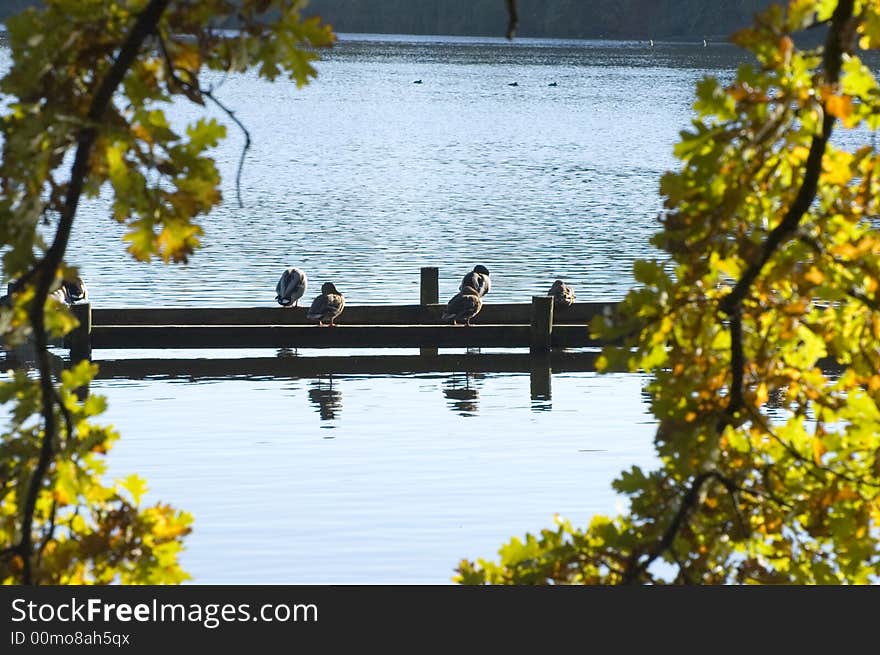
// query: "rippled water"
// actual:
[[362, 178]]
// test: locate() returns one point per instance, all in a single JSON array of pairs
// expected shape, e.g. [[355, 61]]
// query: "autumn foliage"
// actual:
[[87, 92], [759, 327]]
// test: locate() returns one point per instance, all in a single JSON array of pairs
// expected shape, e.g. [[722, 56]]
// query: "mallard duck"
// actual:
[[463, 306], [477, 279], [328, 306], [563, 294], [76, 290], [291, 287], [71, 291]]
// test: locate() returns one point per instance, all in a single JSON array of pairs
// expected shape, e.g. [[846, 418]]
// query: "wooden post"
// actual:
[[542, 324], [430, 286], [429, 294], [81, 338]]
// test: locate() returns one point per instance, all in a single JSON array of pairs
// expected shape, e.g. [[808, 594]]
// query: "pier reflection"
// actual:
[[461, 388]]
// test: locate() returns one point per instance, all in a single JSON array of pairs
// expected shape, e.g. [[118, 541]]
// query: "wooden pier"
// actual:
[[536, 325]]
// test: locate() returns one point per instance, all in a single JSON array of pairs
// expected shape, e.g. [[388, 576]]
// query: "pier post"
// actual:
[[542, 324], [430, 286], [80, 339], [429, 294]]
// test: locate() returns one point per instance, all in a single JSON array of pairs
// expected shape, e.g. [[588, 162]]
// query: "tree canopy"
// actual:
[[87, 90], [610, 19], [759, 328]]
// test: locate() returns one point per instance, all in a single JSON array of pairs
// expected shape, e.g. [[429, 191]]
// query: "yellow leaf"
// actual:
[[839, 106], [761, 394], [814, 275], [819, 449]]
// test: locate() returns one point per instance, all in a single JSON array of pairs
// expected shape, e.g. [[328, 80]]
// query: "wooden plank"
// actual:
[[305, 367], [295, 336], [499, 313], [573, 336]]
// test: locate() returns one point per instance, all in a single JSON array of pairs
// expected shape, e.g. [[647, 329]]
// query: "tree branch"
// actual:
[[839, 41], [512, 19], [144, 25], [635, 569]]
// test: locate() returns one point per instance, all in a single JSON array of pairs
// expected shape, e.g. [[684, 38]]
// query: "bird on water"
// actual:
[[327, 307], [563, 295], [477, 279], [291, 287], [463, 306]]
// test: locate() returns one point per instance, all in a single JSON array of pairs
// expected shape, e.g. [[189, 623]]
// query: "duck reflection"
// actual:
[[460, 390], [326, 399]]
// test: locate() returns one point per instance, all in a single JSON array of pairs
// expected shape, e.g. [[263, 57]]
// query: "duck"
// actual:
[[513, 84], [552, 84], [291, 287], [463, 306], [76, 290], [563, 295], [477, 279], [71, 292], [327, 307], [417, 81]]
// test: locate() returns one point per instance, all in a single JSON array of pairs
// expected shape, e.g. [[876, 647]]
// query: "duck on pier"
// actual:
[[478, 280], [563, 295], [71, 291], [291, 287], [327, 307], [463, 306]]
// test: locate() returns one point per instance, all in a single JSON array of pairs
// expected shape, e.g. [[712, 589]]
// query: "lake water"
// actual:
[[362, 178]]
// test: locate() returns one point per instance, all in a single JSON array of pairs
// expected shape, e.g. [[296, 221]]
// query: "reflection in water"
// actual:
[[326, 399], [461, 395], [539, 385]]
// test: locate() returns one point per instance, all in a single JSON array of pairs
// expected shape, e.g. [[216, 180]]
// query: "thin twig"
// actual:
[[208, 93]]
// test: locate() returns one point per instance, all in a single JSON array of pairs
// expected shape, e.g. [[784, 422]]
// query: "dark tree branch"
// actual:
[[512, 18], [636, 568], [49, 534], [144, 25], [839, 41], [737, 366]]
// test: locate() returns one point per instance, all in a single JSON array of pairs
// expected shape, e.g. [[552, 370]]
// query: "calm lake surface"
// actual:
[[362, 178]]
